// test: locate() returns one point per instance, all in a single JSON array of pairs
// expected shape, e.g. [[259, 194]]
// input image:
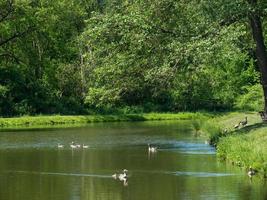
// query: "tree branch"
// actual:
[[16, 35], [225, 22]]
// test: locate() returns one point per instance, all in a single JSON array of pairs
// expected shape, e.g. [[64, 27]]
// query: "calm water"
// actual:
[[33, 168]]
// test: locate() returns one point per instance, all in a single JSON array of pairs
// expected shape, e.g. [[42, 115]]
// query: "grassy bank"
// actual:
[[61, 120], [245, 146]]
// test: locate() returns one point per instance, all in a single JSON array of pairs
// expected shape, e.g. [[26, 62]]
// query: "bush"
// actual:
[[131, 110], [252, 100]]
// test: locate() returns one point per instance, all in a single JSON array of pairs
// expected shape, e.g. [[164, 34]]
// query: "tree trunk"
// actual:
[[256, 26]]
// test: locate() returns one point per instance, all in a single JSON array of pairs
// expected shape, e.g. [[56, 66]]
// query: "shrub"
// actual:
[[252, 99]]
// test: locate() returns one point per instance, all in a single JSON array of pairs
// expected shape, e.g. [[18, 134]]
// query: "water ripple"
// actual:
[[202, 174], [60, 174]]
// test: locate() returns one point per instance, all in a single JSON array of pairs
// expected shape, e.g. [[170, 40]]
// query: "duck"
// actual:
[[122, 176], [85, 146], [251, 172], [152, 149], [60, 145]]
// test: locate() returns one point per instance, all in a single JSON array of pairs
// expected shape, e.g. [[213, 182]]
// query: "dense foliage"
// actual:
[[78, 56]]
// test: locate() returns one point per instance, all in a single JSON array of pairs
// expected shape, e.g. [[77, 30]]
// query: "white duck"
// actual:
[[85, 146], [60, 145]]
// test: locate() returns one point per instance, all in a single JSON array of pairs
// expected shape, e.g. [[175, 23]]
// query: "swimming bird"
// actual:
[[85, 146], [73, 146], [121, 176], [251, 172], [60, 145], [152, 149]]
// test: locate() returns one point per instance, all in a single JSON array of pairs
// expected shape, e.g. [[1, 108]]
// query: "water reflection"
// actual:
[[33, 167], [202, 174]]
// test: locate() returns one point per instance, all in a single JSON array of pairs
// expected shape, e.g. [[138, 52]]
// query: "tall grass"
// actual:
[[246, 150], [213, 132]]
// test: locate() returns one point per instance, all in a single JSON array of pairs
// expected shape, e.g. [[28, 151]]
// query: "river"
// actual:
[[32, 167]]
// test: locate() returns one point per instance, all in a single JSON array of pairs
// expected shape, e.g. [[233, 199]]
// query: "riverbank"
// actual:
[[29, 121], [244, 146]]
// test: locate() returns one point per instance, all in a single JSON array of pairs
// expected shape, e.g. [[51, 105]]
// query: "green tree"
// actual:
[[37, 38], [160, 52], [252, 13]]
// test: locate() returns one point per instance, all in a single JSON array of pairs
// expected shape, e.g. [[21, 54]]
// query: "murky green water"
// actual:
[[32, 167]]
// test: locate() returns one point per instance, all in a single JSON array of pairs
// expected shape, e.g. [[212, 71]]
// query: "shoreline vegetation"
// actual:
[[28, 121], [244, 147]]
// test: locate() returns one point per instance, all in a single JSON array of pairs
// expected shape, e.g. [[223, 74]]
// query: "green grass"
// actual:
[[222, 124], [244, 147], [27, 121], [230, 119]]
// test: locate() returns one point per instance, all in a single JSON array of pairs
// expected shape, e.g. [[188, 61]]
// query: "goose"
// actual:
[[152, 149], [262, 114], [60, 145], [85, 146], [73, 146], [122, 177], [244, 122], [251, 172], [237, 125]]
